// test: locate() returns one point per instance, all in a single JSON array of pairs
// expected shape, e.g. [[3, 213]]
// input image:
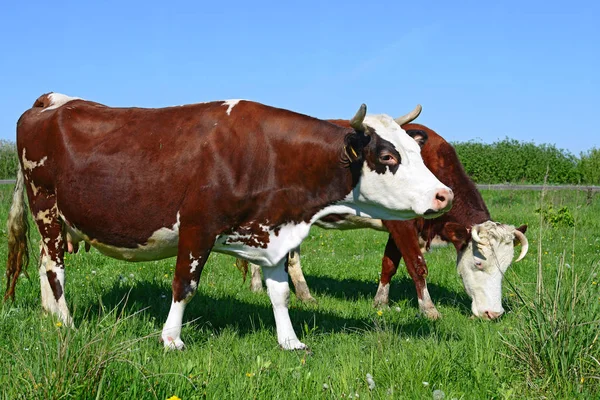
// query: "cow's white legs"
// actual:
[[52, 269], [45, 289], [382, 295], [192, 253], [256, 279], [171, 333], [295, 271], [276, 279], [426, 305]]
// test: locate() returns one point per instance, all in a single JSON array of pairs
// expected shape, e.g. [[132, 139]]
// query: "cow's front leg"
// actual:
[[191, 257], [276, 279], [389, 267], [406, 239]]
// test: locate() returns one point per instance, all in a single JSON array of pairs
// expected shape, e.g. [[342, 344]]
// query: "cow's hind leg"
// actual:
[[52, 267], [193, 251], [295, 271], [276, 279], [255, 278]]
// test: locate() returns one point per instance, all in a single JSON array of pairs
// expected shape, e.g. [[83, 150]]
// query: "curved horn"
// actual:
[[524, 243], [357, 121], [411, 116], [475, 234]]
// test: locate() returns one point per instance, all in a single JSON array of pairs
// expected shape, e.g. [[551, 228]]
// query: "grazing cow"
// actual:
[[234, 176], [484, 248]]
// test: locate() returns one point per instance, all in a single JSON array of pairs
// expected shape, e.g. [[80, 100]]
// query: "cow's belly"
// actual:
[[264, 247], [348, 221], [161, 244]]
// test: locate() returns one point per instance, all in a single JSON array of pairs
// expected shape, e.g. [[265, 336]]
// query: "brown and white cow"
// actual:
[[235, 177], [484, 248]]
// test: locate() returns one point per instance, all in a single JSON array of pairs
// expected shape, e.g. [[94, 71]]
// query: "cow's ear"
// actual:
[[419, 136], [522, 228], [354, 145], [457, 234]]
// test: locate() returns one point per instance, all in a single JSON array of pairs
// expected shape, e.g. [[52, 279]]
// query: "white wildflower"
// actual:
[[370, 382]]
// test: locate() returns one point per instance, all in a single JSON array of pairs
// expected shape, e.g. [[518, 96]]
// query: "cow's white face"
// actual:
[[483, 261], [395, 184]]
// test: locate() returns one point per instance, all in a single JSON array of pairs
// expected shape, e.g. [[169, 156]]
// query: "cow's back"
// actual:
[[135, 169]]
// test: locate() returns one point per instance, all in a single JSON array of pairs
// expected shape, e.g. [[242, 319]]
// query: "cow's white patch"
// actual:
[[287, 237], [405, 194], [230, 104], [278, 289], [161, 244], [29, 165], [34, 188], [193, 265], [57, 100], [171, 333], [382, 296], [44, 216]]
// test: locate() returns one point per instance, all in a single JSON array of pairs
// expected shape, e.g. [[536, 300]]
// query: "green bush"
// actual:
[[589, 167], [517, 162], [9, 161]]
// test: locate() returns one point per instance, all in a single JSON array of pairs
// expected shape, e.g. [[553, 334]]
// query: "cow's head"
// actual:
[[484, 254], [393, 182]]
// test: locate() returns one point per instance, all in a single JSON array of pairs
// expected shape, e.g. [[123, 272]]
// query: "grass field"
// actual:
[[545, 346]]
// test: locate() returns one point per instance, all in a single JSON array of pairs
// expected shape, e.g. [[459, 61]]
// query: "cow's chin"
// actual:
[[431, 214]]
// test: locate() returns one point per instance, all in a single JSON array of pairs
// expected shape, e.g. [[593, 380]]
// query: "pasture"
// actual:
[[545, 346]]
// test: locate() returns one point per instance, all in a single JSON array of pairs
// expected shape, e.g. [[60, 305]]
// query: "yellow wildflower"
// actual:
[[174, 398], [58, 324], [582, 379], [249, 374], [380, 313]]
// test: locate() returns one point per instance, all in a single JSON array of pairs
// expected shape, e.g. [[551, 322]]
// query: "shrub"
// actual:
[[589, 167], [9, 161], [517, 162]]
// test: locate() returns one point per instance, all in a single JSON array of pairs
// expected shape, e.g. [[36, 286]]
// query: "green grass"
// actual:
[[546, 346]]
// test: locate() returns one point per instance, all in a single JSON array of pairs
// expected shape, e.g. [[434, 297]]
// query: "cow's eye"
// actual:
[[478, 264], [387, 159]]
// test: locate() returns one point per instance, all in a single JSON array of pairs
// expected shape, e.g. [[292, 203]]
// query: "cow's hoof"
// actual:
[[431, 313], [173, 344], [293, 344], [381, 304], [307, 299]]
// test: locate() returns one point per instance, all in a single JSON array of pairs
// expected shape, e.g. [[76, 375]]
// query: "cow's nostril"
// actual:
[[440, 197]]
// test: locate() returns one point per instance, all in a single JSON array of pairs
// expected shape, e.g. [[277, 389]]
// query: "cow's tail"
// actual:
[[18, 232]]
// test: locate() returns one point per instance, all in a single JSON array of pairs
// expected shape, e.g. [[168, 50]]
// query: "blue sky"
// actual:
[[482, 70]]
